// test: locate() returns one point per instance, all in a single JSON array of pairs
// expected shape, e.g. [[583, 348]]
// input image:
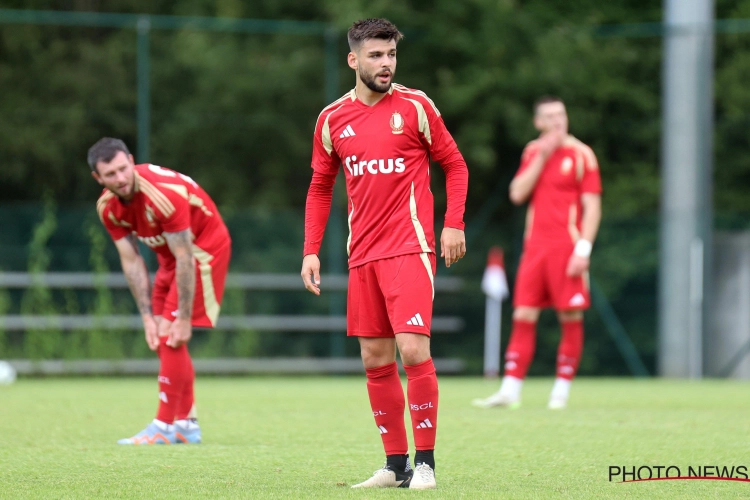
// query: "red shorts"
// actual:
[[391, 296], [542, 282], [210, 275]]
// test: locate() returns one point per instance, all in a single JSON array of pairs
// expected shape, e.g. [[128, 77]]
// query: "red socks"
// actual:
[[570, 349], [176, 378], [422, 391], [520, 351], [387, 402]]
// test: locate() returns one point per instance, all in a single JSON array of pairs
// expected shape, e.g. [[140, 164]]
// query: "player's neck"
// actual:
[[366, 95]]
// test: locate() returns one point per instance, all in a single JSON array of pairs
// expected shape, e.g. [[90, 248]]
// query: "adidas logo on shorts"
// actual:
[[416, 320], [577, 300]]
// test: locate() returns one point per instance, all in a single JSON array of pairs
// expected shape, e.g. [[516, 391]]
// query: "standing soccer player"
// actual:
[[174, 217], [385, 135], [559, 175]]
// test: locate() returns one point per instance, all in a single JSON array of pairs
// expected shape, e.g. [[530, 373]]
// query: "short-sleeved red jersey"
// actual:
[[386, 150], [554, 213], [164, 201]]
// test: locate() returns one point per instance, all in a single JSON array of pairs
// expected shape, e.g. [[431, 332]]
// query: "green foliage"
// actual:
[[102, 342], [37, 300], [4, 308]]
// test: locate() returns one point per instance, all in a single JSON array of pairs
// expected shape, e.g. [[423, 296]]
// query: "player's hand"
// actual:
[[577, 265], [311, 273], [152, 332], [550, 141], [180, 332], [452, 245]]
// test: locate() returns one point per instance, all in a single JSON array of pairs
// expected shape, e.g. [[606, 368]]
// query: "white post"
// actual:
[[492, 321], [495, 287]]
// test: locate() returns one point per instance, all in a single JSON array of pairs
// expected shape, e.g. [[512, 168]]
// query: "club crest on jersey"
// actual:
[[397, 123], [566, 166]]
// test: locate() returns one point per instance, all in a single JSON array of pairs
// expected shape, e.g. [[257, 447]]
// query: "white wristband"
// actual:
[[583, 248]]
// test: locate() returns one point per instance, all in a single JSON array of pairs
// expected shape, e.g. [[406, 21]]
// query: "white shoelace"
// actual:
[[425, 472]]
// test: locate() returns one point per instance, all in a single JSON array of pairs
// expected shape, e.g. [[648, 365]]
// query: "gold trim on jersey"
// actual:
[[120, 223], [349, 238], [424, 122], [101, 203], [158, 198], [415, 220], [572, 223], [406, 90], [196, 201], [587, 154], [210, 302], [428, 266], [325, 133], [177, 188]]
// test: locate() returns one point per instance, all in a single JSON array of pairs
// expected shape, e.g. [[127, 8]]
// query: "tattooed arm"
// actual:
[[181, 245], [134, 268]]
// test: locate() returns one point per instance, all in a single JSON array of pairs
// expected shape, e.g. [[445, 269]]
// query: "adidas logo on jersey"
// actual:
[[374, 166], [424, 424], [348, 132], [416, 320], [577, 300]]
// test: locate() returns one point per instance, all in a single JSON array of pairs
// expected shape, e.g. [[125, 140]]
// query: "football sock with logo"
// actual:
[[186, 407], [570, 349], [387, 403], [173, 375], [398, 462], [425, 457], [422, 393], [520, 351]]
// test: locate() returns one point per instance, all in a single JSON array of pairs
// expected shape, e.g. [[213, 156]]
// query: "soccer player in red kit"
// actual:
[[559, 176], [385, 135], [173, 216]]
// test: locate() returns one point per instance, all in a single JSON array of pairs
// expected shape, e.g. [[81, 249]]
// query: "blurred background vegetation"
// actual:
[[236, 112]]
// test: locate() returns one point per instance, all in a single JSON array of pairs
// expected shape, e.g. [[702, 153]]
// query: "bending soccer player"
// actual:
[[559, 176], [174, 217], [385, 135]]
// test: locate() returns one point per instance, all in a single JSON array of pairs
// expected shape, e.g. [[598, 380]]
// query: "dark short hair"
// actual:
[[546, 99], [364, 29], [104, 150]]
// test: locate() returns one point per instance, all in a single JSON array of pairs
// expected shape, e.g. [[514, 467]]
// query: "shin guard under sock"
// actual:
[[422, 393], [387, 403], [520, 351]]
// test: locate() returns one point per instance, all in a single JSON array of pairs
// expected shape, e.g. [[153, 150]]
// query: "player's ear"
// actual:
[[351, 59], [132, 159], [96, 177]]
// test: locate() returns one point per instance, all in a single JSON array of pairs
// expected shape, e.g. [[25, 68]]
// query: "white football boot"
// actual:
[[424, 478], [388, 478]]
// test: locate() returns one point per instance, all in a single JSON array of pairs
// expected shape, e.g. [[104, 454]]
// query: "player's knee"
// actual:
[[375, 355], [568, 316], [415, 352], [528, 314]]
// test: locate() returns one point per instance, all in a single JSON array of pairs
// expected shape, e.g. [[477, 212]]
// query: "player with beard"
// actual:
[[385, 135], [173, 216]]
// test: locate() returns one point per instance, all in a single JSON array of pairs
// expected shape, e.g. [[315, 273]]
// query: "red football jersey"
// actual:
[[386, 150], [554, 213], [164, 201]]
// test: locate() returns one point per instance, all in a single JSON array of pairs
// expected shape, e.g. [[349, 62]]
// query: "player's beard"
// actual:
[[369, 80]]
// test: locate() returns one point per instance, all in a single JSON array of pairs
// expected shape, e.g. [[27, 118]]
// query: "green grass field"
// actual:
[[312, 437]]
